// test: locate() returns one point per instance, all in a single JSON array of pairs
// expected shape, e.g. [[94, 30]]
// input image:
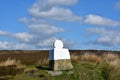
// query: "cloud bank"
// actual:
[[53, 10], [42, 30], [100, 21], [106, 32], [41, 33]]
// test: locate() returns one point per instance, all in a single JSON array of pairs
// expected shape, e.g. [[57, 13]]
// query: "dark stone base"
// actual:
[[60, 65]]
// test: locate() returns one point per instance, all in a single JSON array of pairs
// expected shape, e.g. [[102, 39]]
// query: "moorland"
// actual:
[[34, 65]]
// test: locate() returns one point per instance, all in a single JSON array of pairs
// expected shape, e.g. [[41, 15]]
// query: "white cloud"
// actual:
[[48, 43], [31, 20], [105, 37], [99, 31], [62, 2], [108, 40], [56, 14], [3, 45], [44, 29], [20, 37], [2, 33], [100, 21], [23, 37], [40, 34], [10, 45], [23, 20], [50, 10], [39, 31], [40, 44], [47, 4]]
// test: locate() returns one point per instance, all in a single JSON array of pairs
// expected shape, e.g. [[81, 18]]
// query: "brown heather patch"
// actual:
[[89, 57], [27, 57], [85, 67], [74, 58], [86, 57], [33, 57], [42, 62]]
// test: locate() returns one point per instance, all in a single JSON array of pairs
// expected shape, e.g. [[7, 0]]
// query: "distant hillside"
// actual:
[[99, 52], [31, 56]]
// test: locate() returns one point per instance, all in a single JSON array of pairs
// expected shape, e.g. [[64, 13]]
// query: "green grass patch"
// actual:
[[81, 71]]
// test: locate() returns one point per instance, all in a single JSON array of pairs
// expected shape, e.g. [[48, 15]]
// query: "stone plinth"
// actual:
[[60, 64], [59, 57]]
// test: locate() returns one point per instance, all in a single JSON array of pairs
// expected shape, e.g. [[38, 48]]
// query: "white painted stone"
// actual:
[[59, 53], [58, 44]]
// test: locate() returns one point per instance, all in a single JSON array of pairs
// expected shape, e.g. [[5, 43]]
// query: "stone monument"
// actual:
[[59, 57]]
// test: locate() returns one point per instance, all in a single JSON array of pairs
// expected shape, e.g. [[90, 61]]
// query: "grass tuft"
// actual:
[[9, 62], [11, 67], [93, 58]]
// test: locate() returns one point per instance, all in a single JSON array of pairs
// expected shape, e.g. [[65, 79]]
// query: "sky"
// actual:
[[80, 24]]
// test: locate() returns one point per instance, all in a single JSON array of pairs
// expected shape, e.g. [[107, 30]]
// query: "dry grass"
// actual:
[[9, 62], [74, 58], [28, 57], [108, 62], [87, 57], [11, 67], [112, 59]]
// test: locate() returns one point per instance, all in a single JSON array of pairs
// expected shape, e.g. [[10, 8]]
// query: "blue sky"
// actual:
[[80, 24]]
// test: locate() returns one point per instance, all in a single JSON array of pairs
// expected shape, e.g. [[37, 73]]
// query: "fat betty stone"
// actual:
[[59, 57]]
